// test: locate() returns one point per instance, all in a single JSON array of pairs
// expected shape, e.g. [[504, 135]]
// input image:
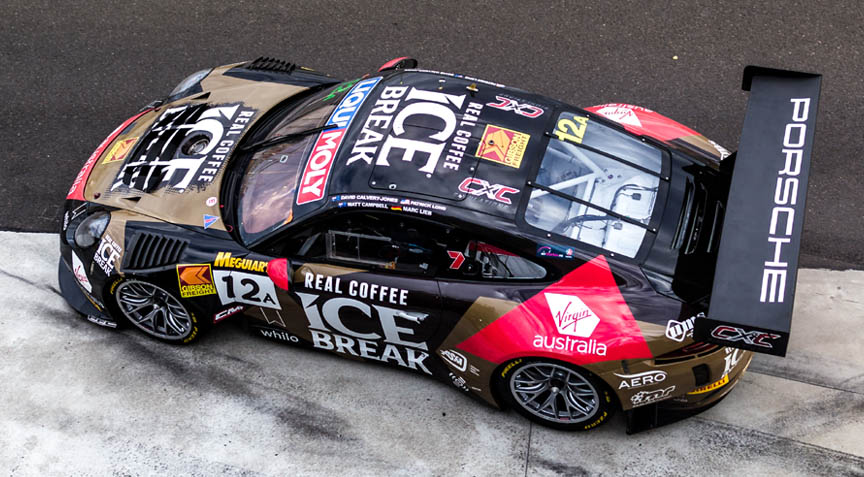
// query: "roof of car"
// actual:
[[424, 141]]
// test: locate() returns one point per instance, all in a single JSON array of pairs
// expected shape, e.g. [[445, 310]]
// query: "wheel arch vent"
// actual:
[[149, 250]]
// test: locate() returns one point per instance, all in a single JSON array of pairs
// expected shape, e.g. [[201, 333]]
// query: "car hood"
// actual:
[[169, 163]]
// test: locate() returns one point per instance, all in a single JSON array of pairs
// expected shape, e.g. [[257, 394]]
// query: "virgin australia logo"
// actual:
[[572, 317]]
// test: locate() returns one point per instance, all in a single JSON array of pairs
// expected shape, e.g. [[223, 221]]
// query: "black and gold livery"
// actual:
[[530, 253]]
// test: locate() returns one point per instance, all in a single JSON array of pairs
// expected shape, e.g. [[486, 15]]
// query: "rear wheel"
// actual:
[[156, 312], [555, 394]]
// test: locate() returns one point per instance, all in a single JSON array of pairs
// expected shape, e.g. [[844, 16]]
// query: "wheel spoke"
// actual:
[[550, 401], [175, 325], [527, 381], [150, 318], [585, 403], [163, 322], [571, 400], [533, 386], [138, 307], [533, 392], [569, 405]]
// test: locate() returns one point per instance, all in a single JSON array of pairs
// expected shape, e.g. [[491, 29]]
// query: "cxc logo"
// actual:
[[572, 316], [507, 104], [753, 337], [496, 192]]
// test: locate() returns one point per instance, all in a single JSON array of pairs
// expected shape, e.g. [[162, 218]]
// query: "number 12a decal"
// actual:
[[241, 287], [571, 129]]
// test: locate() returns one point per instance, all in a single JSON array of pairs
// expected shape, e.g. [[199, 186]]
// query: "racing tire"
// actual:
[[155, 311], [555, 394]]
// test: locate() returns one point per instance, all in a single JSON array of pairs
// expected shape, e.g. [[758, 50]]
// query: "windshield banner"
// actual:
[[313, 184]]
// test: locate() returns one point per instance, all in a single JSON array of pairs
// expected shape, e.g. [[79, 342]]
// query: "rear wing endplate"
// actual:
[[757, 264]]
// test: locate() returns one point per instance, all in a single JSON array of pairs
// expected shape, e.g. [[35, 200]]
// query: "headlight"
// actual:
[[91, 229], [190, 82]]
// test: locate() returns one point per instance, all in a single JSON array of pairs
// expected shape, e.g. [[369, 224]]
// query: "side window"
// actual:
[[375, 241], [372, 241], [480, 260]]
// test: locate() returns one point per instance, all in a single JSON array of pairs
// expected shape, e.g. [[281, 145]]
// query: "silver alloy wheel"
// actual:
[[154, 310], [554, 393]]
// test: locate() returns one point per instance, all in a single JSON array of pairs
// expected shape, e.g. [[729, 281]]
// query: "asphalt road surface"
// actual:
[[69, 73]]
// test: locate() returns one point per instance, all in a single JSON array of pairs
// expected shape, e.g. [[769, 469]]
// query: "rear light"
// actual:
[[690, 351]]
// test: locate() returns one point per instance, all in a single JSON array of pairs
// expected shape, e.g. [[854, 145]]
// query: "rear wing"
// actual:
[[757, 264]]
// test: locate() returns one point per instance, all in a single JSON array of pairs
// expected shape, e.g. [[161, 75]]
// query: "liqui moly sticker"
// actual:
[[313, 184]]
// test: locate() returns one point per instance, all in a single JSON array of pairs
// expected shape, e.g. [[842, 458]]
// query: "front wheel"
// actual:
[[555, 394], [156, 312]]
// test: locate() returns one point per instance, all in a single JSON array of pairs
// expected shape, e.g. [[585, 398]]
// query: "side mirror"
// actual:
[[399, 64], [277, 270], [471, 268]]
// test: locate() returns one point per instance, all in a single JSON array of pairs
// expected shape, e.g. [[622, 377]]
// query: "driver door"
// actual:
[[363, 286]]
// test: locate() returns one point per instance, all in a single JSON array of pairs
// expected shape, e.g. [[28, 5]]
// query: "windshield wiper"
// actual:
[[287, 137]]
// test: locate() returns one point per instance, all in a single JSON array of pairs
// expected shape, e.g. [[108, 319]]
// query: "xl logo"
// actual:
[[507, 104], [753, 337], [572, 316], [496, 192]]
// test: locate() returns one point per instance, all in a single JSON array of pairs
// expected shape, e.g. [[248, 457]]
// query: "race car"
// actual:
[[530, 253]]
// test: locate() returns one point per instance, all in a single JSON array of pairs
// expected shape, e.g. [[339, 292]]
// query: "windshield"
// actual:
[[596, 185], [268, 186]]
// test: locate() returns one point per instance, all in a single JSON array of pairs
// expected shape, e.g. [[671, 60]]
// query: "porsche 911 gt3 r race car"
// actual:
[[533, 254]]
